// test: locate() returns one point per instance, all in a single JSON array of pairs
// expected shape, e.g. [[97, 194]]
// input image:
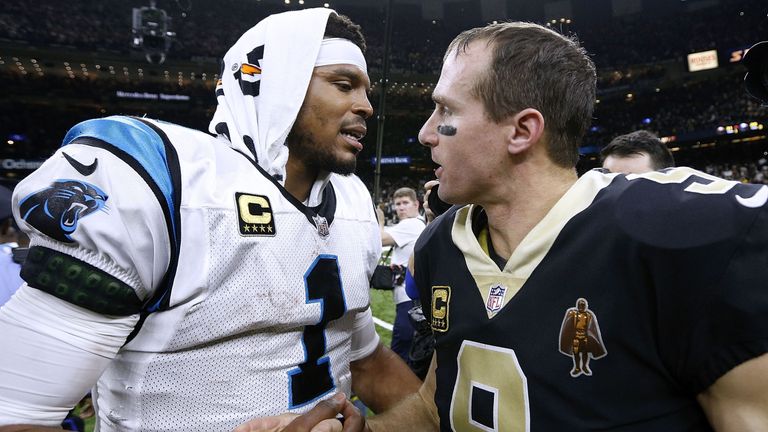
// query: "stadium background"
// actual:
[[668, 66]]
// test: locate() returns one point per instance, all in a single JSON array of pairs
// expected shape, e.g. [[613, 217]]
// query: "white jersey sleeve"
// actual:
[[100, 217], [100, 200], [65, 350], [364, 336]]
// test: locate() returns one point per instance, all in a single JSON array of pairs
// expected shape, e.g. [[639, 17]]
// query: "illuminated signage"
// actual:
[[152, 96], [20, 164], [702, 61], [739, 128], [393, 160], [737, 55]]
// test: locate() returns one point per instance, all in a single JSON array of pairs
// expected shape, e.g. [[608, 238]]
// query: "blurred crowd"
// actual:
[[417, 44], [685, 107], [747, 172], [636, 89]]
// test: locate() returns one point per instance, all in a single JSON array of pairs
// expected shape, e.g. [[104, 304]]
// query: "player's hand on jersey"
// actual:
[[321, 418]]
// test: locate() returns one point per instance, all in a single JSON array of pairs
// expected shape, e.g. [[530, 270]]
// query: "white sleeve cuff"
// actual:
[[364, 336]]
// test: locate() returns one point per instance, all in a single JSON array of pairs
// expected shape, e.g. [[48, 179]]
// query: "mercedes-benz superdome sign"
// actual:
[[151, 96]]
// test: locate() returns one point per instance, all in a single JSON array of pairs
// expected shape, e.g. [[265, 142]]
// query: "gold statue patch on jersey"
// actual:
[[580, 337], [254, 215], [441, 297]]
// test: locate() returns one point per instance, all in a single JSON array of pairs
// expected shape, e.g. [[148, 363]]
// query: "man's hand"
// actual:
[[428, 213], [321, 418]]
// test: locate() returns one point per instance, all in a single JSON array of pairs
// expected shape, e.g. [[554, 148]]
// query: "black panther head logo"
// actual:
[[57, 209]]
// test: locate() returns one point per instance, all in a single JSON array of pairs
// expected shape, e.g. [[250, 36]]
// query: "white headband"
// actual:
[[340, 51]]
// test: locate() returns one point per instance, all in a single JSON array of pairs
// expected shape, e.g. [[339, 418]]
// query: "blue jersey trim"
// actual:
[[137, 140]]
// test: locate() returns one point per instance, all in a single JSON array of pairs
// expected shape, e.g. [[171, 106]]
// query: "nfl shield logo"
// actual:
[[322, 226], [496, 298]]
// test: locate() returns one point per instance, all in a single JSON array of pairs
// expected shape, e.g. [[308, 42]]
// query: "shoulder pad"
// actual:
[[683, 208], [130, 135]]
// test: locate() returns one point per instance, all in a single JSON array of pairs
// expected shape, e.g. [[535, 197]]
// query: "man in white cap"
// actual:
[[201, 281]]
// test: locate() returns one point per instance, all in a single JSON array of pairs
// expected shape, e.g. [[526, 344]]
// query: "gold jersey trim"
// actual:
[[534, 247]]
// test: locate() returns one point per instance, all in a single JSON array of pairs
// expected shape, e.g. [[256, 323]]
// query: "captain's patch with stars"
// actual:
[[254, 215]]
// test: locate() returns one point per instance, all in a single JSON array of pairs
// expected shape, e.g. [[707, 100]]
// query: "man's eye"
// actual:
[[345, 87]]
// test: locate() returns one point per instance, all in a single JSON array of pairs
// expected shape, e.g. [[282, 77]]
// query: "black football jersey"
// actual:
[[634, 294]]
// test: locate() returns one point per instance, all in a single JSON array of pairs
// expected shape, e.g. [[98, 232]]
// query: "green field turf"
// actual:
[[383, 308]]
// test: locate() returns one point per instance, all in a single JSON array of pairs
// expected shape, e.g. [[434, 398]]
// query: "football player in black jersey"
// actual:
[[655, 281]]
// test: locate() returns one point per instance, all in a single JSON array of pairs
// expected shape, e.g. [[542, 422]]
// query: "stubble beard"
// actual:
[[317, 156]]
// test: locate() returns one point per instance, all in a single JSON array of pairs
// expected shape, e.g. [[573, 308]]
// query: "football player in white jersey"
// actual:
[[198, 281], [607, 302]]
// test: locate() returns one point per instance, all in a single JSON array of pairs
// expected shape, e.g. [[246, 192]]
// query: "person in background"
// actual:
[[636, 153], [402, 237], [13, 247]]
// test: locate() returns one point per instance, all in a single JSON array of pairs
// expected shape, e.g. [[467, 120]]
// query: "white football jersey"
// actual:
[[250, 297]]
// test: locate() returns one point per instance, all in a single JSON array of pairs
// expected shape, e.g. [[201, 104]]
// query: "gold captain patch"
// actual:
[[441, 297], [254, 214]]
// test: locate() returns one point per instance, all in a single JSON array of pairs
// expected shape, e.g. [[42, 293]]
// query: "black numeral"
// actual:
[[312, 379]]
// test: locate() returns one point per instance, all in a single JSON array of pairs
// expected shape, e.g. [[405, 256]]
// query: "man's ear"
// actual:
[[524, 129]]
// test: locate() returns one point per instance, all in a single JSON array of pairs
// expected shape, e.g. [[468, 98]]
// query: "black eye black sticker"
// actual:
[[446, 130]]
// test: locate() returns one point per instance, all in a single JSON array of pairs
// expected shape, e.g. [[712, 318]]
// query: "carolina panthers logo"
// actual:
[[57, 209]]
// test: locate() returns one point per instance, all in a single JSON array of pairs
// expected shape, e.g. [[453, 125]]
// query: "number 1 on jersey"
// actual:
[[312, 379]]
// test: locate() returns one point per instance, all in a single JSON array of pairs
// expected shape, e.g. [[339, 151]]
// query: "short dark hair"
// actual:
[[341, 26], [405, 192], [535, 67], [639, 142]]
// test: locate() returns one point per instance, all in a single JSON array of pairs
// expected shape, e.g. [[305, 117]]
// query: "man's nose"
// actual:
[[428, 132], [363, 107]]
